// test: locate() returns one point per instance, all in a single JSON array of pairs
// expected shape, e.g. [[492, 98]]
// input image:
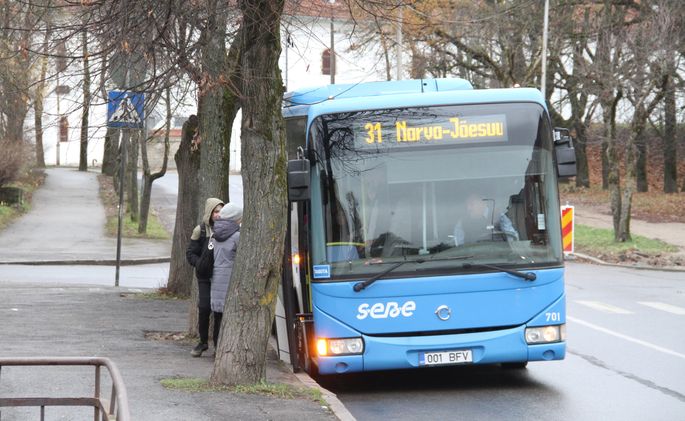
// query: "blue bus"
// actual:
[[424, 227]]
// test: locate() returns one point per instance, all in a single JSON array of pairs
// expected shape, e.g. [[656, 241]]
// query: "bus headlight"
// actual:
[[347, 346], [545, 334]]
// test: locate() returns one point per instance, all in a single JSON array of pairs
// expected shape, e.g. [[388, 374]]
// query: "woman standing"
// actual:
[[199, 240], [226, 237]]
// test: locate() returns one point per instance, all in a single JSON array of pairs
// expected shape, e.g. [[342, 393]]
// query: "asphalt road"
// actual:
[[138, 276], [625, 361]]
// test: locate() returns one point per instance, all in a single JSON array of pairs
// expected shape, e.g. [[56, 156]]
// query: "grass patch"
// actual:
[[29, 182], [7, 215], [129, 228], [281, 390], [110, 200], [193, 385], [600, 241], [277, 390]]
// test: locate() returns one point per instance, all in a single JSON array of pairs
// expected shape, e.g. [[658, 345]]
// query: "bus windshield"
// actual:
[[439, 185]]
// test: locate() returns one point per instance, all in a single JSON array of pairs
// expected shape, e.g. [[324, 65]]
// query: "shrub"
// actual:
[[11, 160]]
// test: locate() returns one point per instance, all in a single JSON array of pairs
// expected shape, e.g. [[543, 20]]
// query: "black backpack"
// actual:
[[205, 264]]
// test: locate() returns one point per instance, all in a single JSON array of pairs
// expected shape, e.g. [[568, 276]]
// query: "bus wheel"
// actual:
[[515, 366]]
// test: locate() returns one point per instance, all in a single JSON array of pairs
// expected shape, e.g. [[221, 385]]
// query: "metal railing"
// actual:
[[116, 408]]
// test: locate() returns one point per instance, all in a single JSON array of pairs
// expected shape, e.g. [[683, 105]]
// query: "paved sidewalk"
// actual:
[[66, 224], [78, 321]]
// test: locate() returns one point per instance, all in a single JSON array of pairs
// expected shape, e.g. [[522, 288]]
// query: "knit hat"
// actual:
[[231, 211]]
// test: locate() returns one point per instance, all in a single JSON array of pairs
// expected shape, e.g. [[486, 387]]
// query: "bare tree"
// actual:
[[187, 164], [670, 25], [39, 97], [19, 22], [251, 301], [83, 156], [148, 176]]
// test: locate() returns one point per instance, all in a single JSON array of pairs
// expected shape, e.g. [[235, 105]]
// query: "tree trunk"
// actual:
[[605, 72], [637, 132], [612, 168], [149, 178], [640, 149], [251, 300], [83, 155], [133, 175], [125, 135], [213, 125], [231, 103], [15, 118], [38, 102], [187, 165], [579, 143], [670, 149], [605, 161], [109, 155]]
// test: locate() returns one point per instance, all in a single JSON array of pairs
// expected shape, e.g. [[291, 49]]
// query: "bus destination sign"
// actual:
[[455, 129]]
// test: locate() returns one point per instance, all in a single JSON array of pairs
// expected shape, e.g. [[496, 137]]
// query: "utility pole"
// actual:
[[59, 121], [124, 135], [399, 44], [332, 2]]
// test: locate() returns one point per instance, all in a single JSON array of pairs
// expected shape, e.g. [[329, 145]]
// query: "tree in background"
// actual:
[[19, 23], [83, 155], [39, 96], [670, 27]]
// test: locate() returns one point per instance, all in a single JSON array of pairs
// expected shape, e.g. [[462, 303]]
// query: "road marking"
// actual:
[[606, 308], [626, 337], [664, 307]]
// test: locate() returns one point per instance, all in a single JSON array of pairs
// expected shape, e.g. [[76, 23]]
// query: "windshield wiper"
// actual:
[[361, 285], [528, 276]]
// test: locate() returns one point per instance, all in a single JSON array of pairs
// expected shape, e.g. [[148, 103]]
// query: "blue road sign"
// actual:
[[125, 109]]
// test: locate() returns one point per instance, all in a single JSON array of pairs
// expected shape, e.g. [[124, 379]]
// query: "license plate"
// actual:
[[459, 356]]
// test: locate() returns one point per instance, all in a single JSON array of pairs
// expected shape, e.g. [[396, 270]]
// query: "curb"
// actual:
[[93, 262], [334, 404], [329, 397], [573, 256]]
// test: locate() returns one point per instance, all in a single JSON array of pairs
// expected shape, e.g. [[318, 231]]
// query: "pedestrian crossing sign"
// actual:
[[125, 109]]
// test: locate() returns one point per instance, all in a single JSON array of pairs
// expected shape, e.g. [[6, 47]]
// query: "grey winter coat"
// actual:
[[225, 240]]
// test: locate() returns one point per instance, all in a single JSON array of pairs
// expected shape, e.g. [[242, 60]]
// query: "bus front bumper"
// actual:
[[392, 353]]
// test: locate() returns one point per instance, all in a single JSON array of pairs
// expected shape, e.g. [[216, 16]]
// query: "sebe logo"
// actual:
[[383, 311]]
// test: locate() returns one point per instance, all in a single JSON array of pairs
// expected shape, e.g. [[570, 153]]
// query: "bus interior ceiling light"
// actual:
[[546, 334], [346, 346]]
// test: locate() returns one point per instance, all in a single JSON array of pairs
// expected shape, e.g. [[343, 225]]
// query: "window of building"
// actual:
[[63, 129], [326, 62]]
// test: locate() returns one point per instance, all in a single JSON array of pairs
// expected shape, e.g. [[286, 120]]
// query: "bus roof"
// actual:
[[315, 95], [398, 94]]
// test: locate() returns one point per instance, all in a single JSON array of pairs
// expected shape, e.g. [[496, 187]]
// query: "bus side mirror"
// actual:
[[298, 180], [565, 153]]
